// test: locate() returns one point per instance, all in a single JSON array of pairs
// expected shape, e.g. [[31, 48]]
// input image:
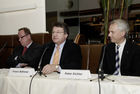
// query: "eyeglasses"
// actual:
[[23, 36], [57, 32]]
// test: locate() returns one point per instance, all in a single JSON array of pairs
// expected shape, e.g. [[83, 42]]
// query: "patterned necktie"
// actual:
[[117, 61], [56, 56], [24, 50]]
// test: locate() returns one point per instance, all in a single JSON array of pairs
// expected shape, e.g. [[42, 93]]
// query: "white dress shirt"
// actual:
[[120, 52]]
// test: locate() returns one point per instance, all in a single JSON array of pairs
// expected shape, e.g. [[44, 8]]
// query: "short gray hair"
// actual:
[[122, 25]]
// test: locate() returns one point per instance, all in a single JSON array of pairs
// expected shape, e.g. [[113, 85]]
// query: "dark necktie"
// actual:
[[117, 61], [24, 50]]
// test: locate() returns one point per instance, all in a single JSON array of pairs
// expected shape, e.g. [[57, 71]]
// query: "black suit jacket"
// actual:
[[31, 56], [130, 61], [70, 58]]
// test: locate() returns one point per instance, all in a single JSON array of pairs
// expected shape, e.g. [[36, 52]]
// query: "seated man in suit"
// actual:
[[122, 57], [27, 54], [61, 53]]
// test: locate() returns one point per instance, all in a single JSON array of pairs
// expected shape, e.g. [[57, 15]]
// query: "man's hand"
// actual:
[[22, 65], [49, 68]]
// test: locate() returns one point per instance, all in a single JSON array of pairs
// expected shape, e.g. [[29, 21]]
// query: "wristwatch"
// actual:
[[57, 66]]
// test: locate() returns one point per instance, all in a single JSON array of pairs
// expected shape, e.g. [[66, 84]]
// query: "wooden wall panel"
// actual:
[[4, 54], [6, 39], [6, 44], [91, 56], [85, 56], [38, 38], [15, 41], [94, 57], [47, 38]]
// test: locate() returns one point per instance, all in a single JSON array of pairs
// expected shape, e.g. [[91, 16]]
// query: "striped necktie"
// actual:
[[117, 59]]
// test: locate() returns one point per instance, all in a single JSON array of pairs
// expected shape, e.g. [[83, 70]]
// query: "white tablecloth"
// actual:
[[53, 85]]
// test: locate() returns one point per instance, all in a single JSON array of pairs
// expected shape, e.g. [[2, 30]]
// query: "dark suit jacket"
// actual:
[[70, 58], [31, 56], [130, 62]]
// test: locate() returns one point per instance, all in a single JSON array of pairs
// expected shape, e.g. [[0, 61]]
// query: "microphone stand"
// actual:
[[39, 66], [100, 71], [101, 75]]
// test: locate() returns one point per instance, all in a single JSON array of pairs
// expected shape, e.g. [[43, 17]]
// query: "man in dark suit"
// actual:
[[27, 54], [69, 53], [126, 59]]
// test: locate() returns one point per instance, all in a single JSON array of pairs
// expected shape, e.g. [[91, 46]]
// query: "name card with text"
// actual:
[[75, 74], [21, 72]]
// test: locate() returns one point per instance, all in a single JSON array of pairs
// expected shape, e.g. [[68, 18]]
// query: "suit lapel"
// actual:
[[64, 52], [124, 60], [113, 55], [49, 52]]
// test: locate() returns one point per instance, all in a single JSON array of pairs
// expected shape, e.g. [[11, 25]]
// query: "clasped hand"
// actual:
[[49, 68]]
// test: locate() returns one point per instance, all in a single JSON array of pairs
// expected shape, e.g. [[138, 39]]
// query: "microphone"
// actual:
[[39, 66], [4, 45], [100, 71]]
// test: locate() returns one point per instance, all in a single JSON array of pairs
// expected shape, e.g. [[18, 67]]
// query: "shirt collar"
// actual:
[[61, 45], [122, 44], [29, 44]]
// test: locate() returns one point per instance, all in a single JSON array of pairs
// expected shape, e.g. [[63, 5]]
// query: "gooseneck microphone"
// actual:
[[4, 45], [39, 66], [100, 71]]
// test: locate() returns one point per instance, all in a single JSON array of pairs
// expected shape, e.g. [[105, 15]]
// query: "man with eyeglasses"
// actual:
[[27, 54], [61, 53]]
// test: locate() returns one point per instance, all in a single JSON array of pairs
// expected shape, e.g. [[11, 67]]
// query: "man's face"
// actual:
[[58, 35], [23, 38], [116, 36]]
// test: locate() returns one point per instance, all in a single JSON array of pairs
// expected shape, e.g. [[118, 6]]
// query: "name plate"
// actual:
[[21, 72], [75, 74]]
